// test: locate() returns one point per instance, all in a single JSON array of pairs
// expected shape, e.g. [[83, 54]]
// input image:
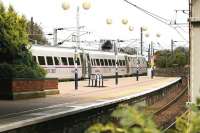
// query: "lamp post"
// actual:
[[124, 21], [137, 66], [86, 5], [116, 63]]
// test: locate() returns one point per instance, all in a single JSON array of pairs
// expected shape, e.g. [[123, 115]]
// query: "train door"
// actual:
[[127, 65], [88, 65], [83, 65]]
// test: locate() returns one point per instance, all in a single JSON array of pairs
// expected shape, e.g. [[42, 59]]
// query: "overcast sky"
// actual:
[[49, 14]]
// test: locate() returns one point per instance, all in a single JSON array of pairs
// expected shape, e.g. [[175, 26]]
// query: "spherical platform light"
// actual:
[[86, 5], [130, 28], [65, 5], [124, 21], [109, 21], [144, 28], [158, 35]]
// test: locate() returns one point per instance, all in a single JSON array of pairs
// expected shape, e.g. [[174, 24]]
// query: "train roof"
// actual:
[[48, 48]]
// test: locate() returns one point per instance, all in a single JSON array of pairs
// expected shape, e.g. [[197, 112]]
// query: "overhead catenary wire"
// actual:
[[157, 17]]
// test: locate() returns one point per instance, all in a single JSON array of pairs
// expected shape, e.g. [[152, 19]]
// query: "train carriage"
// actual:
[[104, 63], [59, 62]]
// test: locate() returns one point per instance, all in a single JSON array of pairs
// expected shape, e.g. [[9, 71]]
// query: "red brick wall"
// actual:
[[50, 84], [27, 85]]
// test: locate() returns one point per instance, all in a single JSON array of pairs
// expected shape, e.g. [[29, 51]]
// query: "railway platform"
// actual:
[[15, 114]]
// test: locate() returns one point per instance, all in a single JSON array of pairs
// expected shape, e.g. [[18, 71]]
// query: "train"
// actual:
[[59, 62]]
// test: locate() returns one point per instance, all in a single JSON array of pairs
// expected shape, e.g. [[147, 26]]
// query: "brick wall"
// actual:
[[27, 85], [50, 84], [13, 88]]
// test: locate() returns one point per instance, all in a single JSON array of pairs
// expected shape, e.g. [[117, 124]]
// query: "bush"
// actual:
[[127, 119], [21, 71], [164, 58], [24, 71], [5, 70]]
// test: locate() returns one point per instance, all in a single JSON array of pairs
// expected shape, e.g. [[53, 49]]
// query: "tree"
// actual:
[[12, 33], [107, 45], [180, 58], [36, 33], [128, 50], [15, 59]]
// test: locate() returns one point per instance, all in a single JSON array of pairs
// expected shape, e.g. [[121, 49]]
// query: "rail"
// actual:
[[171, 102], [172, 124]]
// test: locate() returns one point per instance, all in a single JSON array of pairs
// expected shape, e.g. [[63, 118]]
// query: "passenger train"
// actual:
[[59, 62]]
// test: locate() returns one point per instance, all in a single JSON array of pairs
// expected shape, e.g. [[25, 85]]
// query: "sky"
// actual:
[[49, 14]]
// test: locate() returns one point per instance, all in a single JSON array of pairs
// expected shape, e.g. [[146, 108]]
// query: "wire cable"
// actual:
[[158, 18]]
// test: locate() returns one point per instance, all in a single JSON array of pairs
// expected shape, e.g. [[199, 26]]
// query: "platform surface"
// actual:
[[69, 99]]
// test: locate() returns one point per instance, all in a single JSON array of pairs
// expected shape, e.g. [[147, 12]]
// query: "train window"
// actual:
[[34, 59], [41, 60], [78, 61], [71, 61], [113, 62], [110, 62], [120, 62], [97, 62], [56, 60], [102, 62], [64, 60], [49, 60], [124, 63], [106, 62]]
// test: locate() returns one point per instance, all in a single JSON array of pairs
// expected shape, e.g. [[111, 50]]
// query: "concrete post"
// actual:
[[195, 50]]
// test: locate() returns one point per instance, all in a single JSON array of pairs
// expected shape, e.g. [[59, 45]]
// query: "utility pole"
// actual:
[[116, 63], [149, 54], [152, 55], [31, 29], [141, 37], [172, 47], [152, 51], [55, 37]]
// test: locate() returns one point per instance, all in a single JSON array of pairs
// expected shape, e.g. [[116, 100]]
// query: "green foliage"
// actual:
[[128, 120], [107, 45], [12, 33], [21, 71], [180, 58], [128, 50], [15, 59], [36, 33], [5, 70], [190, 121]]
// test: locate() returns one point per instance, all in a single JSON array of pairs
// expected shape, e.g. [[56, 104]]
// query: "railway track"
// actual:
[[165, 107], [167, 113], [173, 123]]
